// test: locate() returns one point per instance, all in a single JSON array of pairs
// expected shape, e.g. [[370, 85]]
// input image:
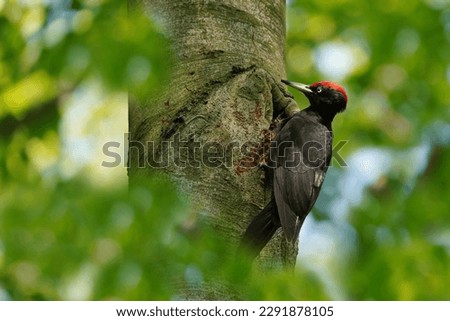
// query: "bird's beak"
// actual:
[[303, 88]]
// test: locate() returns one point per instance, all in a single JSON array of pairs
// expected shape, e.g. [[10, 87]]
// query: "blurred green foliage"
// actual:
[[75, 242], [393, 58], [64, 237]]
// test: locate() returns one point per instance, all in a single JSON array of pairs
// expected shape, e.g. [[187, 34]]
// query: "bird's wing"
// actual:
[[295, 194], [299, 173]]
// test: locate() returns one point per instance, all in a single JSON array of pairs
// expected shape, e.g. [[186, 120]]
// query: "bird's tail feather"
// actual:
[[260, 231]]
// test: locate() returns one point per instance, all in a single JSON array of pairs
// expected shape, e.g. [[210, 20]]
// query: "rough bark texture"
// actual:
[[229, 58]]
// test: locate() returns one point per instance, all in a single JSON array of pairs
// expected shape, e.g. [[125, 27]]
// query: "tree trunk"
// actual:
[[222, 96]]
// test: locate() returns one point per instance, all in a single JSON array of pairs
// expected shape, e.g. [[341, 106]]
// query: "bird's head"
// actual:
[[323, 94]]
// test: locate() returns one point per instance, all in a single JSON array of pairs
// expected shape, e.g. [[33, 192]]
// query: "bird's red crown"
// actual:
[[331, 85]]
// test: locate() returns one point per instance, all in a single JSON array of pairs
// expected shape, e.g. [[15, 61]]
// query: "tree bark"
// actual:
[[223, 94]]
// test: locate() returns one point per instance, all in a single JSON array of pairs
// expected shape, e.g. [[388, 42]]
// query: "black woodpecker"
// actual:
[[298, 160]]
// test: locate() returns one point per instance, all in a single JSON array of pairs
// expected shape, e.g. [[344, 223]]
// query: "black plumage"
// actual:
[[298, 161]]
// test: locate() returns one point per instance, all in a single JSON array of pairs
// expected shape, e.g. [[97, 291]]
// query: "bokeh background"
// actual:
[[70, 230]]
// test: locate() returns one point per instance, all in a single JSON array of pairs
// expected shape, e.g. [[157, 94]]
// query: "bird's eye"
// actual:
[[319, 90]]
